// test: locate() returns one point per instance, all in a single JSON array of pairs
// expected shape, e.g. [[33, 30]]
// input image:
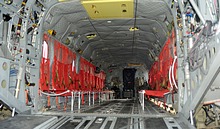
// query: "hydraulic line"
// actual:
[[170, 79], [48, 94], [173, 78]]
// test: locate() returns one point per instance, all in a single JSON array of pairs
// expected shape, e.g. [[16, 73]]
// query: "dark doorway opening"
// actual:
[[128, 82]]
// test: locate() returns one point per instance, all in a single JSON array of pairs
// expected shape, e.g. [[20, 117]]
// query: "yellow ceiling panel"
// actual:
[[109, 9]]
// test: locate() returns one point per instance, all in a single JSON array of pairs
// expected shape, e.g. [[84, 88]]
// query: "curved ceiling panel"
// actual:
[[113, 40]]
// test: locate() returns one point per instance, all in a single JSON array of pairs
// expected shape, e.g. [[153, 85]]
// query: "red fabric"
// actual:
[[63, 71], [159, 72], [156, 93]]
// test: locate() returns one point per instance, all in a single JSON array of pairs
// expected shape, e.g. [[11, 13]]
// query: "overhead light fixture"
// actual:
[[133, 29], [8, 2], [91, 36]]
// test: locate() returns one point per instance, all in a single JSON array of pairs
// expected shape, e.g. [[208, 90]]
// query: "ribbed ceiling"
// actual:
[[114, 43]]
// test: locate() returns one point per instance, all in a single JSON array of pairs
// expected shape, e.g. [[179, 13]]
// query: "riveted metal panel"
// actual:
[[101, 9]]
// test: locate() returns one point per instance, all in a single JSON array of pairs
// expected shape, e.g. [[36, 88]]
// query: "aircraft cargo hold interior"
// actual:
[[109, 64]]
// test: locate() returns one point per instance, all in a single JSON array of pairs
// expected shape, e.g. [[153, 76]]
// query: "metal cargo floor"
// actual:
[[116, 114]]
